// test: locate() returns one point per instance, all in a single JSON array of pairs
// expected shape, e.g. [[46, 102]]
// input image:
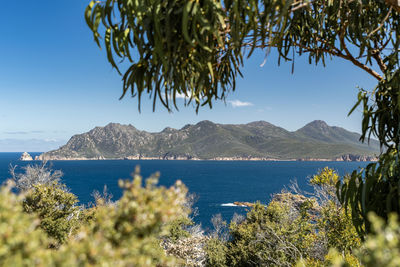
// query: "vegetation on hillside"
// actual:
[[208, 140]]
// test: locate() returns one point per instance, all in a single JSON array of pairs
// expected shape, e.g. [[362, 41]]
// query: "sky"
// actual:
[[55, 82]]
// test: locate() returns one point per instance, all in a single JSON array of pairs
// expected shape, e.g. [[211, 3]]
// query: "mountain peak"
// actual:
[[316, 128], [168, 130], [117, 126], [113, 125], [318, 123], [205, 123], [259, 123]]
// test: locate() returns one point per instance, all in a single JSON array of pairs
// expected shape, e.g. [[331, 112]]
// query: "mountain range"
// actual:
[[206, 140]]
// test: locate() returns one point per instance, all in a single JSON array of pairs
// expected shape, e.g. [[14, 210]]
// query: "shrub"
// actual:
[[35, 174], [216, 251], [22, 243], [292, 227], [382, 246], [127, 233], [189, 248], [334, 222], [56, 208], [269, 236]]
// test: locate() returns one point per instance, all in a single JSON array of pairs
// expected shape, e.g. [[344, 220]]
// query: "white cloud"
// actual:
[[237, 103], [179, 95]]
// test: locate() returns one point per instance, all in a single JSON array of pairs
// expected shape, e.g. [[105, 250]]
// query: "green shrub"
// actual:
[[269, 237], [56, 208], [292, 227], [127, 233], [216, 251], [22, 243], [382, 246], [178, 228], [334, 222], [337, 228]]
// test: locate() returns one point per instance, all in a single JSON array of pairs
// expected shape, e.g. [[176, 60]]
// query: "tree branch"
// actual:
[[382, 23], [350, 57], [394, 3], [376, 55], [334, 52]]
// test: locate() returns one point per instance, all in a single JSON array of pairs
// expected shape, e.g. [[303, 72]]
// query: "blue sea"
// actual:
[[216, 184]]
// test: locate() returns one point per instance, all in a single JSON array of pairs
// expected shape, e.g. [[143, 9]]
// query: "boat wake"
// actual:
[[231, 205]]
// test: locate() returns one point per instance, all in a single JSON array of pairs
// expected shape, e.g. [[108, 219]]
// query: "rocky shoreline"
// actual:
[[25, 157], [346, 158]]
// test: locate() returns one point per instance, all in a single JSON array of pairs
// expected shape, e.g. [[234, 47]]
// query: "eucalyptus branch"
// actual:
[[376, 55], [382, 23], [333, 51], [351, 58], [394, 3]]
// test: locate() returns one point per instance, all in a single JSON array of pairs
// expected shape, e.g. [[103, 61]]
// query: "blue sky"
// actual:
[[55, 82]]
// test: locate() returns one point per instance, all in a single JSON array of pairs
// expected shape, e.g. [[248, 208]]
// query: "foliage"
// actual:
[[179, 229], [325, 177], [103, 198], [373, 189], [149, 226], [336, 226], [56, 208], [269, 236], [164, 35], [334, 222], [332, 259], [382, 246], [22, 243], [189, 248], [35, 174], [124, 233], [292, 229], [196, 48], [127, 233], [216, 251]]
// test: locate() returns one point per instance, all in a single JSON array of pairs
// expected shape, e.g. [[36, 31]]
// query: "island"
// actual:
[[255, 141], [26, 157]]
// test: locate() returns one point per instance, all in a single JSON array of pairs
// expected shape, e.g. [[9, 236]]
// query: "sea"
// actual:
[[215, 184]]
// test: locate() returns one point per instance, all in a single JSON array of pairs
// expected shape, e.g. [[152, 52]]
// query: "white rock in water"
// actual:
[[26, 157]]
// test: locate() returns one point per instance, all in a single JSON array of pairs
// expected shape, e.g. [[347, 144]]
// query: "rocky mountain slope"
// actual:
[[207, 140]]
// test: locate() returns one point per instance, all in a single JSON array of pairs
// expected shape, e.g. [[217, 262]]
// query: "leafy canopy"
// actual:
[[196, 48]]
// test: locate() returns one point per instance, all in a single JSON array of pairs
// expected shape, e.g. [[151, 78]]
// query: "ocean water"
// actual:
[[216, 184]]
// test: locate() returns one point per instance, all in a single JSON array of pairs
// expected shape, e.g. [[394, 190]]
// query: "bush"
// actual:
[[270, 236], [22, 242], [382, 246], [35, 174], [56, 208], [125, 233], [128, 232], [216, 251], [292, 227]]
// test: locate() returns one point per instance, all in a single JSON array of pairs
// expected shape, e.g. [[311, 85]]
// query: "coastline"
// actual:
[[344, 158]]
